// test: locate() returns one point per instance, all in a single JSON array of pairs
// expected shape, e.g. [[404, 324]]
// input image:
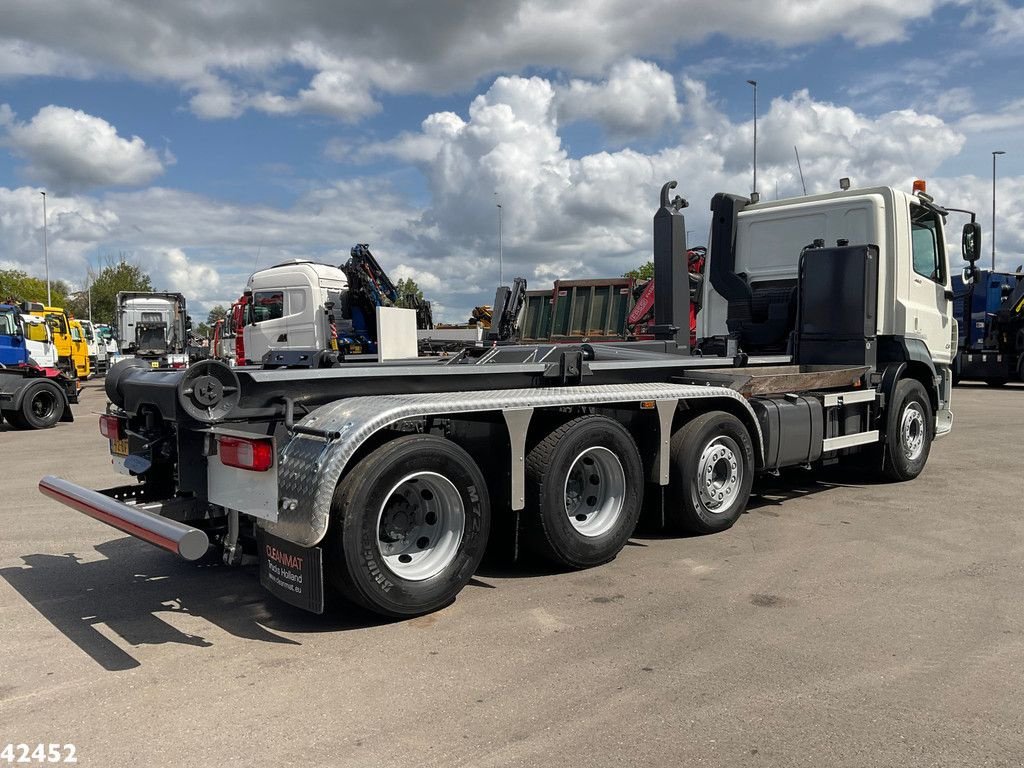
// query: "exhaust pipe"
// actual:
[[183, 540]]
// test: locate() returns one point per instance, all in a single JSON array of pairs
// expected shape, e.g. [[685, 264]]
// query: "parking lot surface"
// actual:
[[841, 622]]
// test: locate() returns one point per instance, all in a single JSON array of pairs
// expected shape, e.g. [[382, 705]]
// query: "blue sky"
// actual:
[[203, 139]]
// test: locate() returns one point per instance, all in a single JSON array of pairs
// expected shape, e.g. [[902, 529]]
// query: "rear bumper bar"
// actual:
[[183, 540]]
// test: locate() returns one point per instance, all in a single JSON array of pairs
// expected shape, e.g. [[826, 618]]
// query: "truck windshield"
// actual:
[[7, 323], [152, 339]]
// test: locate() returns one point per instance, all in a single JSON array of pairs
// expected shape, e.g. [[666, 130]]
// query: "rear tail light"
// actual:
[[111, 427], [256, 455]]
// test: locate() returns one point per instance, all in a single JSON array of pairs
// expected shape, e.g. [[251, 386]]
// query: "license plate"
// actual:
[[119, 447], [154, 365]]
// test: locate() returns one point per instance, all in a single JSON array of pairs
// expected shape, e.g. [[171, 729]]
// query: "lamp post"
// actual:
[[996, 152], [46, 257], [500, 277], [754, 84]]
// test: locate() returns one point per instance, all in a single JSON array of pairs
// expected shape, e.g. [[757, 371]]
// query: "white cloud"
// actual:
[[427, 281], [637, 99], [337, 93], [1010, 117], [69, 149], [243, 55]]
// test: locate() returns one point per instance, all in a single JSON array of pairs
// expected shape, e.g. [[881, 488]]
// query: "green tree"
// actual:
[[116, 276], [16, 285], [217, 313], [643, 272], [409, 294]]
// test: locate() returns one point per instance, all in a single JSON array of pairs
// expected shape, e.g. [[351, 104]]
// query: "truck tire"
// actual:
[[42, 406], [909, 431], [711, 473], [584, 492], [409, 526], [996, 382]]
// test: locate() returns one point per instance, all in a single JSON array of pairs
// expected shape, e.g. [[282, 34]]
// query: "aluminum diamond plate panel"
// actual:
[[310, 468]]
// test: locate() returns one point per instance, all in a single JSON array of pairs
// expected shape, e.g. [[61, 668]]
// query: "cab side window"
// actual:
[[267, 305], [928, 250]]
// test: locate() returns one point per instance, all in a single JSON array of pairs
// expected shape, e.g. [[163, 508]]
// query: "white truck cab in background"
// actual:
[[287, 307]]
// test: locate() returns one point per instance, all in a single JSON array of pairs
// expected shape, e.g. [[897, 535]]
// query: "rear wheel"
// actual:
[[409, 526], [712, 471], [909, 431], [996, 382], [585, 488], [42, 406]]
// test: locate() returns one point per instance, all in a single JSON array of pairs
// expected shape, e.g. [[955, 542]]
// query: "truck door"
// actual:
[[928, 309], [283, 320]]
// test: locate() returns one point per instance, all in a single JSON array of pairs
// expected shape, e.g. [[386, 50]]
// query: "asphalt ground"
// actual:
[[839, 623]]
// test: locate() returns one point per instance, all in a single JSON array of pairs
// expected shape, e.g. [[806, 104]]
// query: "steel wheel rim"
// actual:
[[719, 474], [420, 525], [43, 405], [912, 431], [594, 491]]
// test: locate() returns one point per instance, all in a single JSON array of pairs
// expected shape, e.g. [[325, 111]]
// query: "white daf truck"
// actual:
[[826, 332]]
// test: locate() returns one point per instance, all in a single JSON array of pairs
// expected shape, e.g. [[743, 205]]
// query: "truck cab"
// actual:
[[68, 338], [97, 347], [154, 327], [80, 349], [13, 350], [286, 307], [749, 296]]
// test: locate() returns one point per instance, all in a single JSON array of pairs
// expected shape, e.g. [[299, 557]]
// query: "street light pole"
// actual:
[[500, 276], [46, 257], [996, 152], [754, 84]]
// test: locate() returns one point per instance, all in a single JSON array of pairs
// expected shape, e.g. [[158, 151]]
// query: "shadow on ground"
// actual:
[[134, 588]]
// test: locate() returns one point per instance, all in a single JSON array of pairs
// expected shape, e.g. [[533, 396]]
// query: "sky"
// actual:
[[204, 139]]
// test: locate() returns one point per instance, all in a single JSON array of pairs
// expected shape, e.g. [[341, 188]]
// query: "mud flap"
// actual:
[[290, 572]]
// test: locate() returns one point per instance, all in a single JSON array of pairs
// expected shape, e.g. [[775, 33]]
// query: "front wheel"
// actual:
[[909, 431], [712, 471], [410, 524]]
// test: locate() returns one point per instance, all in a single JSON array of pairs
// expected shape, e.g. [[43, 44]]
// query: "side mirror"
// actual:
[[970, 243], [968, 274]]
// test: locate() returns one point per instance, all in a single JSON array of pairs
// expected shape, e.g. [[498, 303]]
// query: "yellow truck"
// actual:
[[68, 338]]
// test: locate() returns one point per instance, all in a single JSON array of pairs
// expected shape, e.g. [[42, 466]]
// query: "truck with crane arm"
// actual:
[[304, 305], [826, 331]]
